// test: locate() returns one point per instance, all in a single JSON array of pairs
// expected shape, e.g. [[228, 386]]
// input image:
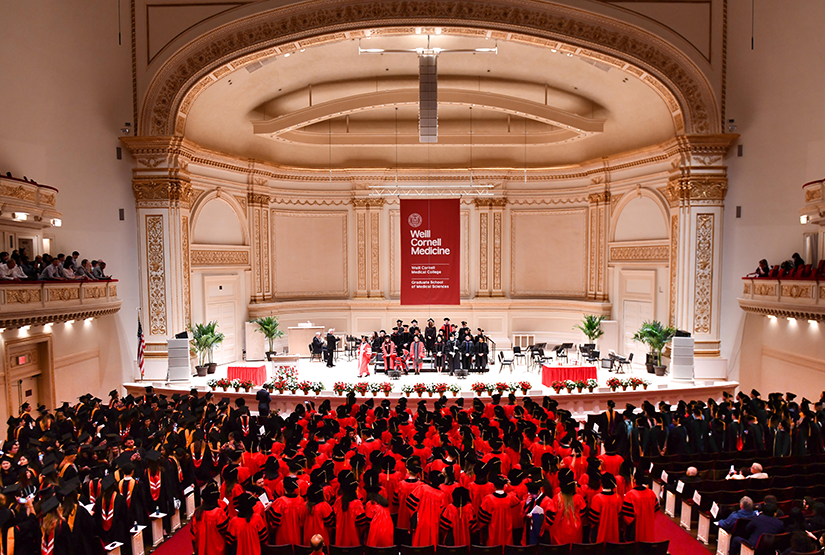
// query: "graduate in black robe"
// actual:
[[112, 517], [80, 523]]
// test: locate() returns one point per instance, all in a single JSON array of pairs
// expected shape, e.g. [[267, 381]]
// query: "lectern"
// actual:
[[178, 350], [681, 359]]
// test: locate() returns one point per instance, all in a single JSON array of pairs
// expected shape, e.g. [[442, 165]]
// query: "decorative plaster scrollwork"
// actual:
[[813, 194], [747, 289], [47, 198], [220, 258], [764, 290], [19, 192], [64, 294], [798, 291], [482, 225], [375, 243], [674, 251], [184, 234], [113, 290], [172, 192], [93, 292], [260, 200], [360, 202], [497, 251], [482, 202], [156, 275], [640, 253], [361, 236], [22, 296], [704, 273], [707, 160]]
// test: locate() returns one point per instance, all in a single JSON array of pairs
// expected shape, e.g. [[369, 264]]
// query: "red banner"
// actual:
[[430, 251]]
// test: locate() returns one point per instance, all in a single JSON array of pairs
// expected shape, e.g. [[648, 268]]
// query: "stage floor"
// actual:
[[661, 388]]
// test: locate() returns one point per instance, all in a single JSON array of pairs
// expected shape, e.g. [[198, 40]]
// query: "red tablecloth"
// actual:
[[255, 373], [550, 374]]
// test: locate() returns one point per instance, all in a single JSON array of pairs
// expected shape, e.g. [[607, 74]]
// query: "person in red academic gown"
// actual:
[[246, 533], [377, 511], [388, 350], [495, 513], [404, 489], [319, 518], [611, 461], [457, 519], [286, 515], [564, 513], [639, 510], [209, 524], [426, 504], [364, 356], [417, 353], [349, 512], [605, 509]]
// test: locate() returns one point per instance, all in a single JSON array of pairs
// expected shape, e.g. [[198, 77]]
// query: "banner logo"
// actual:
[[415, 219], [430, 252]]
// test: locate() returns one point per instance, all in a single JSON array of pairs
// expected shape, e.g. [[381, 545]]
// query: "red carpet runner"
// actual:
[[681, 543], [179, 544]]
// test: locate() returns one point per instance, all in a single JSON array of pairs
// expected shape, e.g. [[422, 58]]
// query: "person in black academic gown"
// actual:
[[80, 522], [111, 516]]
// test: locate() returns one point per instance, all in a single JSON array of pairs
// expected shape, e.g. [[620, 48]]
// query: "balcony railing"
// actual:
[[32, 303], [802, 298], [31, 204]]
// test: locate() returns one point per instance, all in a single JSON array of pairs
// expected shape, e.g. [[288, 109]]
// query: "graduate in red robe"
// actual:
[[611, 461], [639, 510], [426, 504], [349, 512], [286, 515], [457, 519], [417, 353], [605, 510], [565, 512], [319, 518], [209, 524], [495, 513], [364, 357], [404, 489], [377, 511], [247, 532]]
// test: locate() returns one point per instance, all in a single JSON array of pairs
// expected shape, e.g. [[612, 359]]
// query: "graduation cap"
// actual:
[[210, 493], [608, 481], [290, 484], [567, 481], [461, 496], [315, 493], [755, 393], [107, 482], [70, 486], [11, 489], [790, 396], [498, 481], [49, 505], [153, 456]]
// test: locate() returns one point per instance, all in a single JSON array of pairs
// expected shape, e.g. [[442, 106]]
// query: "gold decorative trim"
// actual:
[[813, 194], [497, 217], [674, 253], [690, 190], [258, 199], [482, 226], [747, 289], [17, 191], [360, 202], [465, 253], [93, 292], [63, 294], [186, 273], [482, 202], [703, 281], [361, 238], [220, 258], [257, 254], [23, 296], [659, 253], [19, 320], [765, 289], [156, 275], [149, 192], [548, 25], [395, 239], [375, 244], [798, 291]]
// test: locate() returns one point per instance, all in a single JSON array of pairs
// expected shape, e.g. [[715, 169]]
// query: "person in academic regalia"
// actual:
[[331, 342], [438, 350], [388, 349], [430, 333], [405, 488], [639, 509], [426, 504], [565, 512], [604, 512], [209, 524], [481, 353], [494, 515], [782, 440], [111, 516], [467, 350], [247, 532], [157, 491], [319, 518], [457, 519], [417, 353], [54, 533], [377, 511], [364, 357], [286, 515], [349, 512]]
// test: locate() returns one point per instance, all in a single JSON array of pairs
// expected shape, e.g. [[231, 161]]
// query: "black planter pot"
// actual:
[[270, 354], [650, 363], [211, 367], [660, 370], [201, 370]]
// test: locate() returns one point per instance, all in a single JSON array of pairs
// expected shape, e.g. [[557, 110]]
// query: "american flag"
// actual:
[[141, 346]]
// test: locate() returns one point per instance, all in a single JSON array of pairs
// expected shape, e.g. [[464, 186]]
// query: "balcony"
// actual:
[[28, 204], [35, 303], [786, 297]]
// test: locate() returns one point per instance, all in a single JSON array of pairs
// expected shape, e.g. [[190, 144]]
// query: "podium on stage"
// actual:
[[179, 370], [681, 359]]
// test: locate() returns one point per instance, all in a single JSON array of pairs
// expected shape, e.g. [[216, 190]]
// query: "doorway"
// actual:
[[635, 313], [222, 307]]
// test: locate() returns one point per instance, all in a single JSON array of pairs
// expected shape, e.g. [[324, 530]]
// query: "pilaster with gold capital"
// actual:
[[368, 246], [259, 219], [696, 192], [162, 190], [490, 225], [599, 220]]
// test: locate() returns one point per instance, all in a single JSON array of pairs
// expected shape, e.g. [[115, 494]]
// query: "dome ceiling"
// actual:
[[331, 105]]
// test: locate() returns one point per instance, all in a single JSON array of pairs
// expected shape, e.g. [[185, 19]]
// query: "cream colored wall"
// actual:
[[775, 97], [66, 93]]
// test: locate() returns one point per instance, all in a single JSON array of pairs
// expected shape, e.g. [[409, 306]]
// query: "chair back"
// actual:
[[521, 550], [486, 550], [626, 548], [418, 550], [652, 548], [516, 350], [587, 549], [338, 550], [547, 549], [285, 549], [452, 550]]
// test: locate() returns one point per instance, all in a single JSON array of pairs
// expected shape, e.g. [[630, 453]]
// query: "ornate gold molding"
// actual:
[[361, 249], [17, 191], [765, 289], [184, 234], [152, 193], [796, 291], [486, 202], [482, 227], [23, 296], [361, 202], [18, 320], [279, 31], [674, 253], [695, 190], [813, 194], [63, 294], [653, 253], [497, 221], [599, 198], [156, 275], [258, 199], [220, 258], [703, 280], [375, 244], [93, 292]]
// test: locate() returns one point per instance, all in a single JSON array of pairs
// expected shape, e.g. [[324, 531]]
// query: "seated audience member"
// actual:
[[745, 511], [754, 473], [4, 258], [797, 261], [84, 271], [12, 271], [68, 270], [52, 271], [98, 271], [817, 521], [75, 258], [802, 542], [765, 523], [762, 270]]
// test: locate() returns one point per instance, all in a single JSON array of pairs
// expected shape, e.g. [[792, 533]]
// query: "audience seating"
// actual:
[[285, 549], [486, 549], [419, 550], [392, 550], [608, 548], [628, 548], [521, 550], [452, 550], [587, 549]]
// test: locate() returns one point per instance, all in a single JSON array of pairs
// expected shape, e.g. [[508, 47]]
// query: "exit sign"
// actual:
[[21, 360]]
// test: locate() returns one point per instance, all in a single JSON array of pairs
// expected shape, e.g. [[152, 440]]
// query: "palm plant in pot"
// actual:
[[268, 325], [216, 338], [201, 341], [656, 336], [591, 327]]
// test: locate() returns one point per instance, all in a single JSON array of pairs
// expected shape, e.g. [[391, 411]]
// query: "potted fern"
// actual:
[[656, 336], [591, 327], [268, 325]]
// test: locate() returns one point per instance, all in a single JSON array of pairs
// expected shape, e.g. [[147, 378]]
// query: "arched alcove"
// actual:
[[217, 223], [640, 219]]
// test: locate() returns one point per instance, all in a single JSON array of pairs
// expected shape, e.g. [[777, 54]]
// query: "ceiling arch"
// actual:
[[248, 41]]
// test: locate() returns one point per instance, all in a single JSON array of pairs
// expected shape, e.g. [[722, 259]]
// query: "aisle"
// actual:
[[681, 543], [179, 543]]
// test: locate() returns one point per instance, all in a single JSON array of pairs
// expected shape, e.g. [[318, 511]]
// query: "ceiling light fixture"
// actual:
[[19, 216], [813, 322], [287, 55]]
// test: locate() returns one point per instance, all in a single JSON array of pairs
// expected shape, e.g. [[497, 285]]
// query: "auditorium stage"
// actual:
[[661, 388]]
